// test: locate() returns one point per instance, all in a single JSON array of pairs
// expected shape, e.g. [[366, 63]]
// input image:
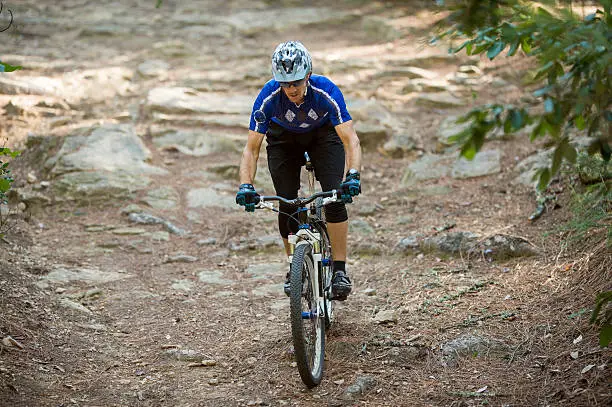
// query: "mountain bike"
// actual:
[[311, 304]]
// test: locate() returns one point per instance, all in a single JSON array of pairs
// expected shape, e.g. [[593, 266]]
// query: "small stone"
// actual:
[[181, 258], [387, 316], [31, 178], [213, 381], [129, 231], [370, 291], [207, 241]]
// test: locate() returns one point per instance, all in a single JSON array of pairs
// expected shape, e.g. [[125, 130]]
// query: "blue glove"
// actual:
[[247, 197], [351, 186]]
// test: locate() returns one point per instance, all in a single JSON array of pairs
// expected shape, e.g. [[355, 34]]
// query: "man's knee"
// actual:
[[336, 212]]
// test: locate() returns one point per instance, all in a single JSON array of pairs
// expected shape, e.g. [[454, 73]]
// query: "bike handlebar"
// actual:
[[299, 201]]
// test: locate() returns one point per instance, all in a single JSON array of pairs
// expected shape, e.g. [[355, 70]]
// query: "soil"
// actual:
[[533, 311]]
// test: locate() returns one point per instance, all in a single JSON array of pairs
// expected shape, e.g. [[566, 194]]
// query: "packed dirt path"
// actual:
[[104, 311]]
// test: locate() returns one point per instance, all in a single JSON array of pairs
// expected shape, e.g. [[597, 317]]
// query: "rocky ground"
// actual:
[[130, 278]]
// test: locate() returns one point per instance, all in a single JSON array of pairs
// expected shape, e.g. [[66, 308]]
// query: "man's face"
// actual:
[[295, 90]]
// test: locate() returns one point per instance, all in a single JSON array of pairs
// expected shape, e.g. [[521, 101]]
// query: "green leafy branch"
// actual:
[[5, 173], [573, 74], [603, 303]]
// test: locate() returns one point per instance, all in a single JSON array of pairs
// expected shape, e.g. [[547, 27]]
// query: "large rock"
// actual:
[[164, 197], [502, 247], [154, 68], [206, 197], [401, 143], [197, 143], [471, 345], [96, 85], [410, 72], [484, 163], [99, 185], [250, 22], [529, 167], [65, 275], [449, 243], [439, 100], [371, 135], [433, 166], [427, 167], [188, 101], [369, 111], [105, 148]]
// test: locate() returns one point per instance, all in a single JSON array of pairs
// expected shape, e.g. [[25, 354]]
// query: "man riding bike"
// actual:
[[300, 112]]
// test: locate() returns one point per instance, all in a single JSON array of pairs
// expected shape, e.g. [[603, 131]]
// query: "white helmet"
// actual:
[[291, 62]]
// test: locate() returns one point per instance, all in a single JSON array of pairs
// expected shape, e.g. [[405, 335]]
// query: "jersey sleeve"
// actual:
[[338, 113], [263, 108]]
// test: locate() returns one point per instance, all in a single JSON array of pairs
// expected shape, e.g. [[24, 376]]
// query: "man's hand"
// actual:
[[351, 186], [247, 197]]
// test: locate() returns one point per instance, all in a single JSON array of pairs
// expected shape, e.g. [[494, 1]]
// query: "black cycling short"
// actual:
[[286, 158]]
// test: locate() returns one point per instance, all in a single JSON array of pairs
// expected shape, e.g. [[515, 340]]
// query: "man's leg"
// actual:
[[338, 233], [327, 154]]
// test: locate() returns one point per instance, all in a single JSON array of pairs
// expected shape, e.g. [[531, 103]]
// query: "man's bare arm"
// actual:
[[250, 155], [352, 148]]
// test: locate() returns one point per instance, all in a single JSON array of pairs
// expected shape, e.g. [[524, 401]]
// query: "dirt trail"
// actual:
[[141, 334]]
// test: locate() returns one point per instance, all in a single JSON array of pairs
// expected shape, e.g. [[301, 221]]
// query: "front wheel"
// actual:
[[307, 317]]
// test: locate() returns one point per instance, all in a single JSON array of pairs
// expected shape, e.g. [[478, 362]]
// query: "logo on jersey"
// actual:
[[259, 116], [313, 115], [289, 115], [304, 125]]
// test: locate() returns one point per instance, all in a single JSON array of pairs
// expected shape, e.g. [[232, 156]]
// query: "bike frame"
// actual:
[[305, 234]]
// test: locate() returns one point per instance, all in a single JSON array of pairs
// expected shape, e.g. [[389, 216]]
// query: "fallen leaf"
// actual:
[[574, 355], [578, 339], [587, 368], [482, 389], [339, 382]]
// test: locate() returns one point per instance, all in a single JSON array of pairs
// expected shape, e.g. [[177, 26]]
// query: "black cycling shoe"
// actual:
[[287, 286], [341, 286]]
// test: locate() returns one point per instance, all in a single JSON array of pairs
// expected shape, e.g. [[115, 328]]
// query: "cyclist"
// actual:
[[298, 111]]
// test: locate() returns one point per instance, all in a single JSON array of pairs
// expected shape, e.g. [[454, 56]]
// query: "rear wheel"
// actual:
[[307, 320]]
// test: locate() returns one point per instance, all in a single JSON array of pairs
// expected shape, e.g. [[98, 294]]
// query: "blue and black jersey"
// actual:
[[323, 103]]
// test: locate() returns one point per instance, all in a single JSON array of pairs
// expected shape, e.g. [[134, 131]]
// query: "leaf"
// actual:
[[557, 157], [538, 131], [604, 149], [587, 368], [513, 48], [544, 179], [601, 300], [8, 68], [468, 48], [549, 105], [578, 339], [468, 151], [569, 152], [496, 49], [543, 91], [517, 119], [579, 122], [526, 45], [5, 185]]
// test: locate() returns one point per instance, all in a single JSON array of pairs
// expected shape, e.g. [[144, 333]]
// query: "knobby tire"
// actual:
[[308, 334]]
